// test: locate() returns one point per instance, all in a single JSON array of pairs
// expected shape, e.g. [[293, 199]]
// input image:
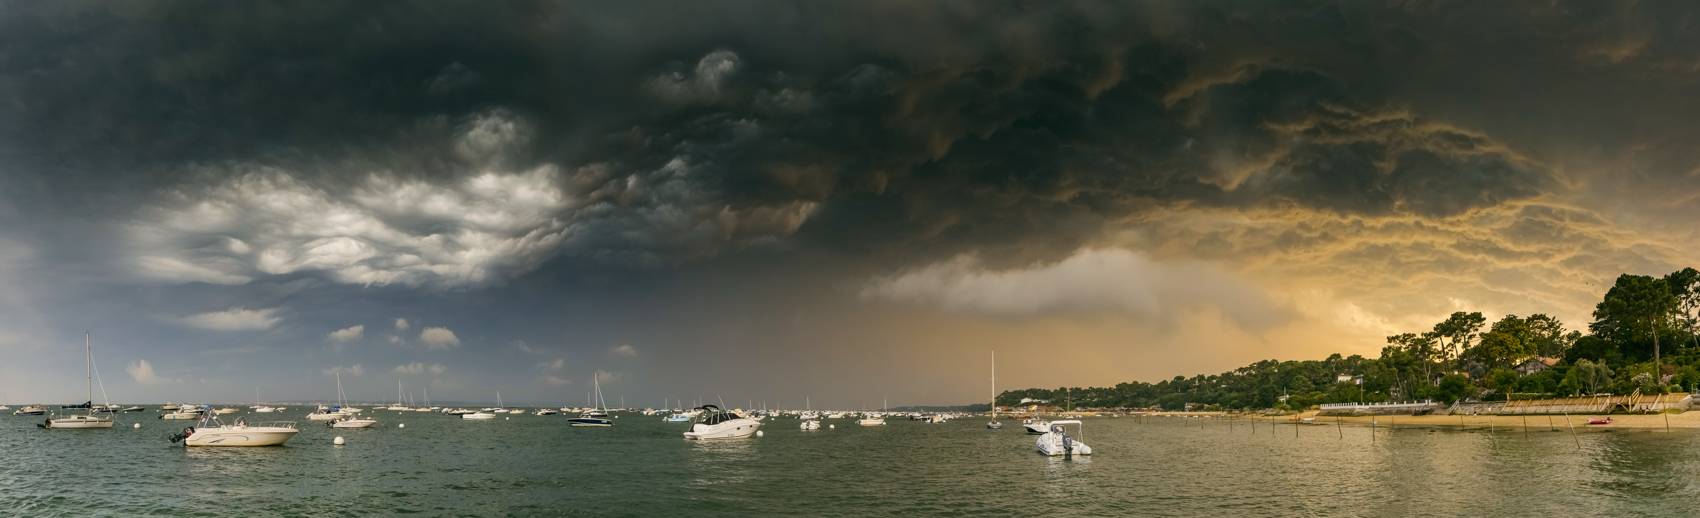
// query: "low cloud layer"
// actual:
[[235, 319], [1092, 281], [420, 368]]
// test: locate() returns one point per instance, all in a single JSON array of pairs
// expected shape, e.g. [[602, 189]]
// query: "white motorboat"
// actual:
[[225, 411], [478, 416], [810, 425], [30, 410], [75, 422], [89, 420], [871, 420], [1058, 442], [714, 423], [354, 422], [264, 410], [213, 433], [326, 414], [1036, 426], [184, 413], [547, 411]]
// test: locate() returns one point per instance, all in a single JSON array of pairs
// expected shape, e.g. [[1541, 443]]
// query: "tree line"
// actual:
[[1645, 335]]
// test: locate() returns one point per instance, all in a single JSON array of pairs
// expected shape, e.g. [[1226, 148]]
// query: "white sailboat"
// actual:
[[596, 416], [994, 424], [351, 420], [88, 420]]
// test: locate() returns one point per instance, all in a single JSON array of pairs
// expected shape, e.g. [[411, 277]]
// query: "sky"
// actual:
[[845, 201]]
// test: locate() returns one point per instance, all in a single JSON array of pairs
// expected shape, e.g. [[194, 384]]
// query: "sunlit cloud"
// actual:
[[438, 338], [235, 319], [348, 334]]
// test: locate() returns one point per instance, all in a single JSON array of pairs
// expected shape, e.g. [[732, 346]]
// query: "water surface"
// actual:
[[537, 465]]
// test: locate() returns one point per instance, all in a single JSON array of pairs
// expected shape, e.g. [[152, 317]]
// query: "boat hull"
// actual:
[[591, 422], [480, 416], [871, 422], [240, 437], [181, 416], [354, 423]]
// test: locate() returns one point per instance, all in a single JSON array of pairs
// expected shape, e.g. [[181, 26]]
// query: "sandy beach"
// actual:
[[1635, 422]]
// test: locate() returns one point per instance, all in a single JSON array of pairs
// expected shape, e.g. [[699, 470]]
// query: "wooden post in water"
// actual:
[[1550, 427], [1667, 420], [1525, 426], [1572, 430], [1295, 426], [1372, 429]]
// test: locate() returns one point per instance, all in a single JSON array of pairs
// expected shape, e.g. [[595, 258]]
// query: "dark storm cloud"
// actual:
[[664, 132]]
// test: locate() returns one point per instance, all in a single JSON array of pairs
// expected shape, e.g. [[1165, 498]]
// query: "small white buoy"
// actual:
[[506, 419], [759, 433], [337, 441], [135, 425], [832, 427], [402, 425]]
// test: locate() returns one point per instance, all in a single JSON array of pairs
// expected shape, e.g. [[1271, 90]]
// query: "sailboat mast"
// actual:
[[994, 384], [88, 369]]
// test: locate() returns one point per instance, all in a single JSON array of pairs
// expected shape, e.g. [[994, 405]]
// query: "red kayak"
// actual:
[[1600, 421]]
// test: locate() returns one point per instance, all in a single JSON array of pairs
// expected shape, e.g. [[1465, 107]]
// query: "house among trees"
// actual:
[[1536, 364]]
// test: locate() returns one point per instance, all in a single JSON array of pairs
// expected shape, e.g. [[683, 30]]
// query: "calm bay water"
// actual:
[[537, 465]]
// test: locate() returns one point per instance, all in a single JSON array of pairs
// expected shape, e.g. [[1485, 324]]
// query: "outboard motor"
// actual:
[[175, 438], [1068, 442]]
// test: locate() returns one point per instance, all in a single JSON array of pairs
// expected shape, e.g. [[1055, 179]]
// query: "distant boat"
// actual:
[[478, 416], [132, 409], [547, 411], [183, 413], [994, 424], [1599, 421], [871, 420], [714, 423], [87, 420], [30, 410], [1057, 442], [598, 416], [810, 425]]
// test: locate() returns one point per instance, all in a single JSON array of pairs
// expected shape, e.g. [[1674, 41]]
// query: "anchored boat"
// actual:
[[714, 423]]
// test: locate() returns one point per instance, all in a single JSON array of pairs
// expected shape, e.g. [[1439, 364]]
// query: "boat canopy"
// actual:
[[89, 404], [712, 415]]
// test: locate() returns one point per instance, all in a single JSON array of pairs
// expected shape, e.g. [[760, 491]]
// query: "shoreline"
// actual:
[[1635, 422]]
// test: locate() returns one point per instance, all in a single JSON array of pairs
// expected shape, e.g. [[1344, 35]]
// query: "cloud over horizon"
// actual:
[[752, 191]]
